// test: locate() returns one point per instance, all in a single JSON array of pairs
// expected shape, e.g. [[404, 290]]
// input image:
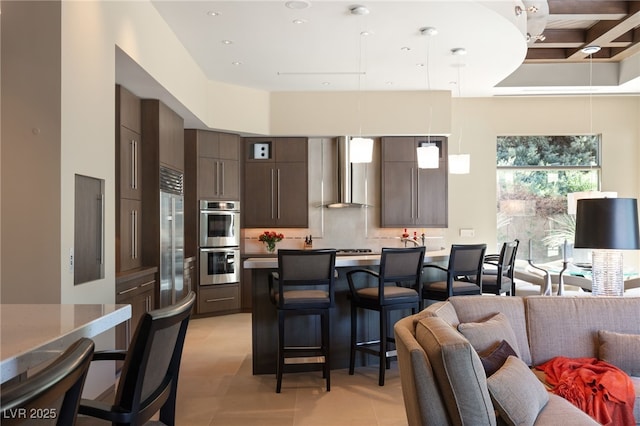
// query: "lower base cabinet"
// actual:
[[135, 287], [219, 298]]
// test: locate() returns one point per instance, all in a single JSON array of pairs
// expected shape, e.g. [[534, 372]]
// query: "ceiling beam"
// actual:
[[581, 7]]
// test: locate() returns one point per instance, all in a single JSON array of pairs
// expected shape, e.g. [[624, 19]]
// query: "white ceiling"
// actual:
[[327, 53]]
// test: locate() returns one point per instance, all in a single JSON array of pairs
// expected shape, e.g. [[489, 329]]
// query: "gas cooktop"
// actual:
[[353, 251]]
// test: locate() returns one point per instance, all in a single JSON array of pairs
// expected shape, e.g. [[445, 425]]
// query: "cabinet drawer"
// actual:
[[130, 285], [219, 298]]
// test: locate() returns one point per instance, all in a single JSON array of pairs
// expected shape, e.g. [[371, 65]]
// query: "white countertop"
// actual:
[[34, 333], [343, 261]]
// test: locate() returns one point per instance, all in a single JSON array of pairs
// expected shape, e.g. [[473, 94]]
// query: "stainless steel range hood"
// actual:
[[343, 179]]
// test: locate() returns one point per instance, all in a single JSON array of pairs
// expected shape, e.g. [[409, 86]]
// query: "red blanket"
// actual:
[[598, 388]]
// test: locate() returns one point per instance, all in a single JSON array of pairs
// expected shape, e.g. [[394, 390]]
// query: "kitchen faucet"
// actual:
[[405, 240]]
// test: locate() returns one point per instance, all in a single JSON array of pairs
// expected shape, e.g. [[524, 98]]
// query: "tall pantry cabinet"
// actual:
[[135, 280]]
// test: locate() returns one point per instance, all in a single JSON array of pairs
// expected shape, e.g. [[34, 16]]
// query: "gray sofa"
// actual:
[[443, 380]]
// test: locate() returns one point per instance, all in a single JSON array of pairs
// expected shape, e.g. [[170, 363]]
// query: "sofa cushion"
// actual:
[[568, 326], [517, 393], [636, 405], [485, 335], [444, 310], [422, 398], [495, 358], [559, 411], [479, 308], [621, 350], [458, 372]]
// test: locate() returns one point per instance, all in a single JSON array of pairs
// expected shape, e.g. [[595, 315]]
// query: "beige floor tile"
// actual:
[[217, 387]]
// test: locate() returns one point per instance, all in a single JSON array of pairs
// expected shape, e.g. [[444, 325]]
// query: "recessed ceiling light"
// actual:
[[297, 4], [405, 48], [227, 42], [236, 63], [459, 51], [365, 33], [590, 50], [326, 83], [430, 31], [359, 10], [420, 65], [213, 13], [299, 21]]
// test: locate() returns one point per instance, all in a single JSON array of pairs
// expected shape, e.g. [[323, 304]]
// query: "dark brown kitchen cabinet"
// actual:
[[130, 220], [130, 160], [134, 287], [275, 183], [163, 130], [221, 298], [128, 109], [128, 180], [413, 197], [218, 163]]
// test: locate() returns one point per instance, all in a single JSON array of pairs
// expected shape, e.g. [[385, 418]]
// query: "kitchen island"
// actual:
[[306, 330]]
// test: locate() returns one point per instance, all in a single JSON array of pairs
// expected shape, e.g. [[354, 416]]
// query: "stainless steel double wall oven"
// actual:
[[219, 242]]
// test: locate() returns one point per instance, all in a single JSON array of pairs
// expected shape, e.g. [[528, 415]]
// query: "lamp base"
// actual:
[[607, 274]]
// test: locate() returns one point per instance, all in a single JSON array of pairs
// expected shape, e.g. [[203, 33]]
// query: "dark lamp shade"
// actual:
[[607, 223]]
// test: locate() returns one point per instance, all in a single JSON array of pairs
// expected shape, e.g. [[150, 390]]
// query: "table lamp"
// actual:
[[607, 225]]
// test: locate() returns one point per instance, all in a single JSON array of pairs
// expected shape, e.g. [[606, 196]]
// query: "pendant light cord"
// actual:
[[427, 64], [591, 94]]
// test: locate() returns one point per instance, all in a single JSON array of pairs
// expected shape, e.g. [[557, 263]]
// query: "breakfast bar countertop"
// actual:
[[343, 261]]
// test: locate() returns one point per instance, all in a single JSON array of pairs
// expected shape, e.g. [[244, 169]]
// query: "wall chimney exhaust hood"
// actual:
[[344, 178]]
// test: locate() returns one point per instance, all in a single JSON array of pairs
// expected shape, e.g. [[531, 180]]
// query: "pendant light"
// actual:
[[360, 149], [428, 153], [459, 164]]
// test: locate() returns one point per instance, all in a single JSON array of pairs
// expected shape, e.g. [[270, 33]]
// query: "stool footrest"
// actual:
[[305, 360]]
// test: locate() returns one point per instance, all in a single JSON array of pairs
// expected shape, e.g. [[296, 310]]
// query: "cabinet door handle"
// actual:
[[217, 177], [221, 299], [133, 234], [272, 202], [147, 283], [278, 188], [101, 229], [132, 183], [221, 180], [129, 290]]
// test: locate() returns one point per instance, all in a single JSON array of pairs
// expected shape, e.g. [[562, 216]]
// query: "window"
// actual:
[[534, 176]]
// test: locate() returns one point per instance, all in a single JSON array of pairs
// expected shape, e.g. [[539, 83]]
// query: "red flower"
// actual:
[[270, 237]]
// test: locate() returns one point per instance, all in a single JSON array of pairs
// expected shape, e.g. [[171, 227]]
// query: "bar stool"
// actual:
[[398, 267], [304, 285]]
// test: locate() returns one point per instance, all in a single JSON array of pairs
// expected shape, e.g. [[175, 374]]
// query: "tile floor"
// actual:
[[217, 388]]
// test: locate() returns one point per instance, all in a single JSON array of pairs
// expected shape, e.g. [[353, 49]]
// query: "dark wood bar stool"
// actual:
[[396, 286], [304, 285], [53, 392], [463, 274]]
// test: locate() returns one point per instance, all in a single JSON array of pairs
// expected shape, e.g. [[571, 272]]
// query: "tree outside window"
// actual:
[[534, 176]]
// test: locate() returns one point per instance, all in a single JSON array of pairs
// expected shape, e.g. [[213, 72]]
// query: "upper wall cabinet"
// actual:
[[217, 157], [275, 183], [412, 197], [163, 129]]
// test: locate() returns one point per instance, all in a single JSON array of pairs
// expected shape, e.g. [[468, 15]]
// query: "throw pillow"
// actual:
[[517, 393], [620, 350], [494, 359], [487, 334]]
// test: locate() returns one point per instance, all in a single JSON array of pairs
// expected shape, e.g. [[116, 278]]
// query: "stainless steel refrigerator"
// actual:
[[171, 236]]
